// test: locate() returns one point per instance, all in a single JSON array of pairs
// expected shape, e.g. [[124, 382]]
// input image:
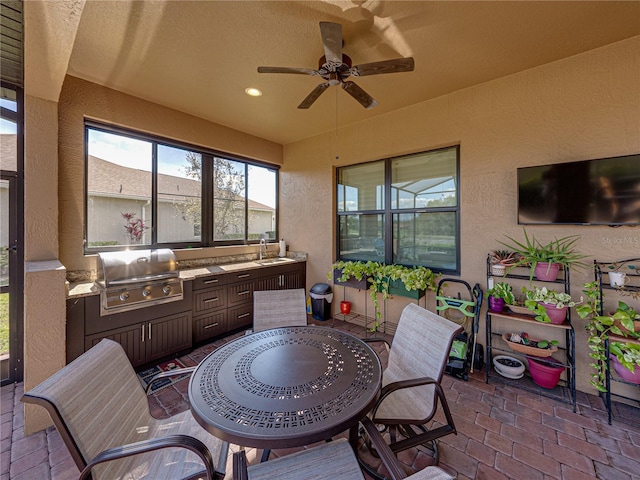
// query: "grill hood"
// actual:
[[135, 266]]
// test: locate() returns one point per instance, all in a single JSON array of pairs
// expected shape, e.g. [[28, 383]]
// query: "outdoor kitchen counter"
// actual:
[[84, 289]]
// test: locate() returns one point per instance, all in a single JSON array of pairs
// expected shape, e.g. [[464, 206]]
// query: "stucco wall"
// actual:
[[584, 107], [80, 99]]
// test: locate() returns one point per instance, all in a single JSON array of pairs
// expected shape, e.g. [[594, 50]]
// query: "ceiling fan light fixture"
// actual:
[[253, 92]]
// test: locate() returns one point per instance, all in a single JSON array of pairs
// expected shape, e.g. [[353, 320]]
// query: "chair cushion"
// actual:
[[329, 460], [420, 348], [430, 473], [279, 308]]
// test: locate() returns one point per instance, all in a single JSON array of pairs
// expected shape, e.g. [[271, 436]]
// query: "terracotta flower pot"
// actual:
[[345, 307], [546, 272], [545, 375], [556, 315]]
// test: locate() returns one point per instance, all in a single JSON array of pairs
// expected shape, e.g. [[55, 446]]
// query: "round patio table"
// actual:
[[285, 387]]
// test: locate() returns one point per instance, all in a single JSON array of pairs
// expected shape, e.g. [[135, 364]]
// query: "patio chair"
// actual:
[[411, 386], [333, 459], [101, 411], [279, 308]]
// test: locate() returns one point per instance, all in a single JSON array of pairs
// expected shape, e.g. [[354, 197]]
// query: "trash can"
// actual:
[[321, 298]]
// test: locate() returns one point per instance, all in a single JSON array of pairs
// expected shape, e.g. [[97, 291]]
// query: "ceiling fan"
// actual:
[[335, 67]]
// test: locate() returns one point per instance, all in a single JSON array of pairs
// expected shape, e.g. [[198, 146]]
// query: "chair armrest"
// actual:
[[415, 382], [240, 466], [170, 441], [169, 373], [384, 452]]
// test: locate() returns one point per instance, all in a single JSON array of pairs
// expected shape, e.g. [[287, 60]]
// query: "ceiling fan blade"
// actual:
[[313, 96], [332, 41], [366, 100], [385, 66], [303, 71]]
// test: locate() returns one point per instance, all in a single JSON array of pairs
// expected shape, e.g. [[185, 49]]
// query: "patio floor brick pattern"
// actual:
[[503, 433]]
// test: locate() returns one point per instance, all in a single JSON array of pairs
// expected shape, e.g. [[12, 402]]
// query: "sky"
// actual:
[[134, 153]]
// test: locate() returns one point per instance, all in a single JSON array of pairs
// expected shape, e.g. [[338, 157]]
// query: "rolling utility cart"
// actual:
[[466, 356]]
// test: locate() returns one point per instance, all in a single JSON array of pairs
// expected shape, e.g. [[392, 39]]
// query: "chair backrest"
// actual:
[[95, 402], [421, 344], [279, 308]]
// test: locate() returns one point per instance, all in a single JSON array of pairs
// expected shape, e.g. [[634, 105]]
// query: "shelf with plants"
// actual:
[[614, 335], [380, 280], [542, 272]]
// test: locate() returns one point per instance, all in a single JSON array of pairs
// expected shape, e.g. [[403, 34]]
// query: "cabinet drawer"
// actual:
[[209, 326], [244, 275], [240, 293], [210, 281], [210, 299], [241, 316]]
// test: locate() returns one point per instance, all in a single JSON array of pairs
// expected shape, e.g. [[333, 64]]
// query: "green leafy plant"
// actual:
[[504, 291], [531, 252], [549, 297], [600, 327], [380, 275]]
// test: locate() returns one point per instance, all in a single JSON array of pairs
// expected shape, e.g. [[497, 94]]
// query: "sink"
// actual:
[[271, 261]]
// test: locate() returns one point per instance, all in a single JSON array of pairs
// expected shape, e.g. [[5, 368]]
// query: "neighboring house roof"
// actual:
[[110, 179]]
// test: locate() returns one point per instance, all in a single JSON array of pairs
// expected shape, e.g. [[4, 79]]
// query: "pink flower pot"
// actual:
[[546, 272], [556, 315], [624, 373], [496, 304], [545, 375]]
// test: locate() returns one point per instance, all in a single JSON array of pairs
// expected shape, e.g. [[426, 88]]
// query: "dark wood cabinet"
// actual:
[[148, 341], [213, 305]]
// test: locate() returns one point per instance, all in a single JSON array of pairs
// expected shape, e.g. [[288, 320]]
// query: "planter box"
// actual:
[[352, 282], [396, 287]]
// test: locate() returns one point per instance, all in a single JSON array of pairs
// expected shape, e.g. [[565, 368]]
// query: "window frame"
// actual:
[[206, 190], [388, 213]]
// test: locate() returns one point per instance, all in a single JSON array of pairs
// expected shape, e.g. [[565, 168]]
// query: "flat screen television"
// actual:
[[605, 191]]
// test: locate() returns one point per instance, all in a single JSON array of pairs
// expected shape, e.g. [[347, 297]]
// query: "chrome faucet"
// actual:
[[263, 245]]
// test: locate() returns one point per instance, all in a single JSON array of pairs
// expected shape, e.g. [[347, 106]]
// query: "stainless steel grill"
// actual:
[[137, 278]]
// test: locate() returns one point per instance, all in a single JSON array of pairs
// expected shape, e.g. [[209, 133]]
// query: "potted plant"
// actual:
[[545, 260], [501, 259], [499, 295], [381, 276], [545, 372], [549, 306], [600, 327]]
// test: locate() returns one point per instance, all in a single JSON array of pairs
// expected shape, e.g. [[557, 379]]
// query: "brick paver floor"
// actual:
[[503, 433]]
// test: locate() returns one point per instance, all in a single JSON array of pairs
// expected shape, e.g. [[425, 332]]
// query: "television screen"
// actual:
[[591, 192]]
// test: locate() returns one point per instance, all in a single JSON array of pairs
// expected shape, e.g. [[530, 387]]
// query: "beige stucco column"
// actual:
[[49, 32]]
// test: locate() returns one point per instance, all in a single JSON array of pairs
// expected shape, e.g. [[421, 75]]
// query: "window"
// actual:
[[402, 210], [144, 191]]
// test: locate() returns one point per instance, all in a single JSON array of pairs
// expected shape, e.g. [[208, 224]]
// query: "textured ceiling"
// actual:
[[199, 56]]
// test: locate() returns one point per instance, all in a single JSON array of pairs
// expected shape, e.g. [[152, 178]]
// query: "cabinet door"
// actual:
[[238, 293], [168, 335], [294, 279], [209, 325], [209, 300], [240, 316], [129, 337], [270, 282]]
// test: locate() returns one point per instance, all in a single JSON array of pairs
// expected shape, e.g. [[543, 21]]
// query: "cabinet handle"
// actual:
[[209, 282], [149, 331], [211, 326], [245, 275], [214, 299], [143, 333], [245, 292], [243, 315]]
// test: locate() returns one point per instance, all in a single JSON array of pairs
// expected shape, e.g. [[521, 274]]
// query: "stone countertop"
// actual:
[[191, 272]]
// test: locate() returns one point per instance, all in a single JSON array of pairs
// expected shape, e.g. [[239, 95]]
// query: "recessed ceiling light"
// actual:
[[254, 92]]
